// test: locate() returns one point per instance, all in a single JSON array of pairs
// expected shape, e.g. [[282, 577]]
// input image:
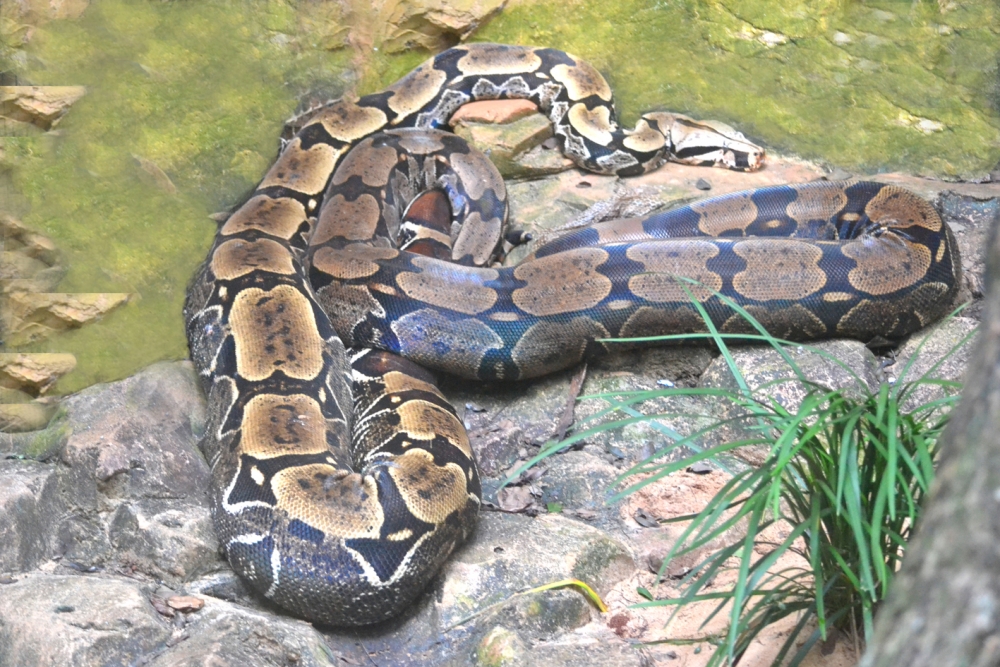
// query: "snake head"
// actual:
[[707, 143]]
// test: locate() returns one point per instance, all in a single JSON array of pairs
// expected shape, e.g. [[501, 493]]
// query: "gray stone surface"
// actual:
[[940, 352], [77, 620], [28, 510]]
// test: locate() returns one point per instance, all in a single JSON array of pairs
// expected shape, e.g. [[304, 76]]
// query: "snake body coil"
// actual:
[[343, 480]]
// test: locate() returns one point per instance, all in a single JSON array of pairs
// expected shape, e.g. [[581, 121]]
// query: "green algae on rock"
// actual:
[[184, 106], [868, 87]]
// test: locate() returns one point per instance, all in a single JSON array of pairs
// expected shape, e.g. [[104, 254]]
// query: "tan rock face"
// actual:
[[23, 417], [30, 317], [434, 24], [20, 239], [34, 373], [41, 106]]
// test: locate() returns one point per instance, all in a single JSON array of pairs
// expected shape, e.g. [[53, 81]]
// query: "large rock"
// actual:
[[135, 484], [29, 508], [78, 620]]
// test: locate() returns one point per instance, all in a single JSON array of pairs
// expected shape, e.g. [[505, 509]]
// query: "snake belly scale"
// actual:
[[342, 478]]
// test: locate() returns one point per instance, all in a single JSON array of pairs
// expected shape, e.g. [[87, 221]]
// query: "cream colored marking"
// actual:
[[835, 297], [354, 261], [396, 382], [238, 257], [850, 217], [431, 492], [372, 163], [593, 124], [352, 220], [816, 202], [666, 261], [427, 233], [898, 208], [302, 170], [423, 420], [416, 90], [275, 573], [275, 330], [886, 264], [563, 283], [256, 475], [778, 269], [619, 304], [504, 317], [279, 217], [447, 286], [478, 238], [419, 143], [625, 230], [384, 289], [478, 175], [275, 425], [719, 216], [312, 204], [339, 505], [223, 292], [644, 139], [942, 247], [400, 535], [582, 81], [489, 59], [394, 399], [348, 122]]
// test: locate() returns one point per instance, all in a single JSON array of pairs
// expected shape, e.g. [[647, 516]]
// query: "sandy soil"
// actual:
[[677, 495]]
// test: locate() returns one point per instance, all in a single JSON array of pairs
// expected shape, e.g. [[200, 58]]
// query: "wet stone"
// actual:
[[29, 508]]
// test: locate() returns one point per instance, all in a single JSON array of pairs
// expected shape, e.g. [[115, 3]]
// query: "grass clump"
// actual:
[[843, 478]]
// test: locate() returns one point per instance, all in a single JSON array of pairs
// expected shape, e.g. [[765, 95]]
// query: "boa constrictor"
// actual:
[[342, 481]]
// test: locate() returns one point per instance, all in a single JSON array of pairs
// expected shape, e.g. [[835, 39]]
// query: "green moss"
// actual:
[[200, 90], [841, 82], [593, 563]]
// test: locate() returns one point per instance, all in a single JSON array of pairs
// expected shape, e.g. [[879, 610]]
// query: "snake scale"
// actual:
[[342, 478]]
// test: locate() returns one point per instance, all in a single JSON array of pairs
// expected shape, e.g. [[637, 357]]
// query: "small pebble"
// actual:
[[700, 468], [645, 519], [160, 605], [665, 383], [185, 603], [702, 184]]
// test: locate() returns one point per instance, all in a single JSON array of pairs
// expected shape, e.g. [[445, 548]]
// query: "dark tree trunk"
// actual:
[[944, 606]]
